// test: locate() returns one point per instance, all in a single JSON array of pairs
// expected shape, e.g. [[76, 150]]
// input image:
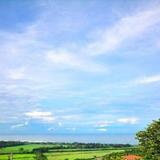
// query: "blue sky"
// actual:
[[79, 67]]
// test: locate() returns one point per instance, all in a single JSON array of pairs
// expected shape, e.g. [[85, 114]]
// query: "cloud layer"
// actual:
[[79, 67]]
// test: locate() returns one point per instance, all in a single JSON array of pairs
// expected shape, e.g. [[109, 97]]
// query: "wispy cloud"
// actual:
[[147, 80], [19, 125], [130, 120], [102, 129], [42, 116], [70, 117], [127, 27], [59, 124], [48, 65], [104, 123], [67, 60], [16, 74]]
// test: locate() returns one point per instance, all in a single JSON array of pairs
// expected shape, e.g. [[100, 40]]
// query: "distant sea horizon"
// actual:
[[85, 138]]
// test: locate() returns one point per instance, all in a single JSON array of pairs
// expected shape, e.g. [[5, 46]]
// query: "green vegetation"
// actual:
[[149, 144], [26, 148], [149, 141], [80, 155], [120, 155], [149, 149], [62, 155], [44, 151], [18, 157], [54, 147], [40, 156]]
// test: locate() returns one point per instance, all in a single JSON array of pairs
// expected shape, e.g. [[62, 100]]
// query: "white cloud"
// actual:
[[102, 129], [16, 74], [19, 125], [127, 27], [72, 117], [18, 48], [43, 116], [59, 123], [131, 120], [148, 80], [104, 124], [66, 60]]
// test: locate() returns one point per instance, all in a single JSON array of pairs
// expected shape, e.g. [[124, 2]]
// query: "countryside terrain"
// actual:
[[60, 151], [148, 149]]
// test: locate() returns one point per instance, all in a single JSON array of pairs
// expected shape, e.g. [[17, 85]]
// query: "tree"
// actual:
[[40, 156], [149, 141], [21, 150]]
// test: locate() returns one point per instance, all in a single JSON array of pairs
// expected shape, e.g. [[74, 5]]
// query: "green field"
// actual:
[[62, 155], [83, 154], [27, 147], [54, 154], [18, 157]]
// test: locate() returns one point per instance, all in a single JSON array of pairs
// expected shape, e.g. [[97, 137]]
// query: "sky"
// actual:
[[79, 66]]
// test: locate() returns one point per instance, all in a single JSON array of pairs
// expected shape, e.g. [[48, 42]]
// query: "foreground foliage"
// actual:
[[149, 141], [120, 155]]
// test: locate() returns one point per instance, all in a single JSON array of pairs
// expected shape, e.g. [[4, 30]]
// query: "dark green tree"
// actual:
[[149, 141], [40, 156], [21, 150]]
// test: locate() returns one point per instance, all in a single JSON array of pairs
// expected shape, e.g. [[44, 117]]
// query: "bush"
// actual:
[[149, 141]]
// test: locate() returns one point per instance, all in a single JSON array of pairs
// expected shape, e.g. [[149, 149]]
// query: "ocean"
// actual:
[[89, 138]]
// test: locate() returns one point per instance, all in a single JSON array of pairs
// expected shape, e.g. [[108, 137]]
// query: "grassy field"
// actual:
[[53, 154], [27, 147], [83, 154], [62, 155], [18, 157]]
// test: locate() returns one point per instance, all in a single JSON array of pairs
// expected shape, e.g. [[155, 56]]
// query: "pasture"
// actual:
[[80, 155], [26, 147], [54, 154]]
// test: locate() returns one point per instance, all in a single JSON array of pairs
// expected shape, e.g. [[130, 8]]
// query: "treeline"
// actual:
[[79, 147], [74, 145], [92, 145], [11, 143]]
